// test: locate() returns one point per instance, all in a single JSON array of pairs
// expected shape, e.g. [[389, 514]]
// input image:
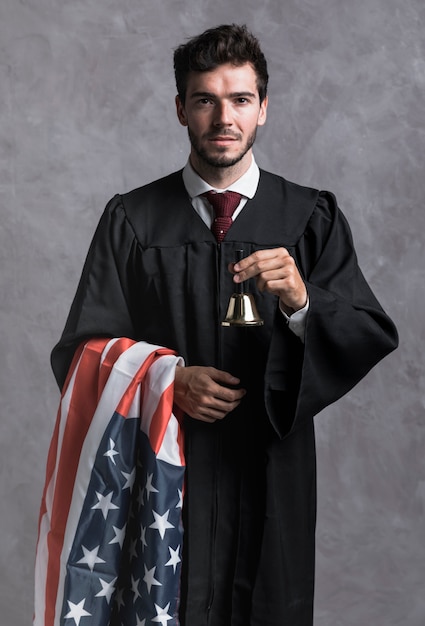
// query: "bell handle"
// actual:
[[239, 254]]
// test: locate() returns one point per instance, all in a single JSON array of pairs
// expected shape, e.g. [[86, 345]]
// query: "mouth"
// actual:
[[222, 140]]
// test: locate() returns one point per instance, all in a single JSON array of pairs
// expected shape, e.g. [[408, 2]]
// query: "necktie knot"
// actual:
[[224, 205]]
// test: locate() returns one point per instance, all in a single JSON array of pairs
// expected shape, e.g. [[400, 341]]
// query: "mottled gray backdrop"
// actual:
[[86, 110]]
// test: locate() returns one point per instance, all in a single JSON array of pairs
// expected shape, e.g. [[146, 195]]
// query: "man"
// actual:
[[155, 272]]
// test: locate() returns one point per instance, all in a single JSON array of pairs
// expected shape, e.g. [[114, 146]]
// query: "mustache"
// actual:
[[222, 133]]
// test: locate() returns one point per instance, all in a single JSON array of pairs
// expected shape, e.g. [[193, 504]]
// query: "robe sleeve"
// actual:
[[100, 306], [347, 332]]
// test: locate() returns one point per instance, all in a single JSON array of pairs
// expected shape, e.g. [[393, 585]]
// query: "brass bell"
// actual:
[[242, 310]]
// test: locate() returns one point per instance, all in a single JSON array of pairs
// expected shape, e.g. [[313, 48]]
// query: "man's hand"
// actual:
[[276, 272], [204, 394]]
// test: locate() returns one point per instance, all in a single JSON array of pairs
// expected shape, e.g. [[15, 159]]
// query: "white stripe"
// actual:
[[159, 377], [170, 449]]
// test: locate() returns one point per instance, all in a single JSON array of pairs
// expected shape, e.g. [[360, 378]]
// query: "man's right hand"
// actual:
[[204, 394]]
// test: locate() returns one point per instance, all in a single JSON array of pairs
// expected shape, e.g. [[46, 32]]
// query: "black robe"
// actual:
[[154, 272]]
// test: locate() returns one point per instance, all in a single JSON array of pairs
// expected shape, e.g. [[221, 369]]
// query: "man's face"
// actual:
[[222, 111]]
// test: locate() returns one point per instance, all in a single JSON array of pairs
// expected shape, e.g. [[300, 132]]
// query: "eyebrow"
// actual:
[[236, 94]]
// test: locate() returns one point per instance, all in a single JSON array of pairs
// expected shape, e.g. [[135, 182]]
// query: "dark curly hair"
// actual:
[[228, 43]]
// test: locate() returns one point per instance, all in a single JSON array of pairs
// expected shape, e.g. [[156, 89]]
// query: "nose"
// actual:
[[222, 113]]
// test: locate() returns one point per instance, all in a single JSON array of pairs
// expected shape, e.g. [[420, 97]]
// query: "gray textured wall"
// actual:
[[86, 110]]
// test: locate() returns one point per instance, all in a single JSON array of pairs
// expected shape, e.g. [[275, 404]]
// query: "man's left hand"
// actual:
[[275, 272]]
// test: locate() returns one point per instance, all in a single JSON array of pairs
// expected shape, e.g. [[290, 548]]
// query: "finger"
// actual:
[[260, 262], [222, 377], [220, 408], [285, 275], [223, 396], [212, 414], [219, 403], [260, 256]]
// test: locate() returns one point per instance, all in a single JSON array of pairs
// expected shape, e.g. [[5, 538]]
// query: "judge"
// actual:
[[161, 269]]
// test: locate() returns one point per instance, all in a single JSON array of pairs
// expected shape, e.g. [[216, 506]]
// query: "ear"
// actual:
[[181, 113], [262, 116]]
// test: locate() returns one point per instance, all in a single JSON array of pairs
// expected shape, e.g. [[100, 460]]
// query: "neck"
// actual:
[[220, 177]]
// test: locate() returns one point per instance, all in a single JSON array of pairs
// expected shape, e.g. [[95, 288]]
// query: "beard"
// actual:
[[221, 160]]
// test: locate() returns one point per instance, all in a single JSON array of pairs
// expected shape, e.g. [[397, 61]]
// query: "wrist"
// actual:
[[290, 310]]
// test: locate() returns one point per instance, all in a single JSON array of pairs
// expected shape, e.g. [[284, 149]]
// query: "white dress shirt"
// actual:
[[246, 185]]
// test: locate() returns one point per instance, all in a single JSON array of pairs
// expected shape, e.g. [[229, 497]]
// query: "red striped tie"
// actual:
[[224, 205]]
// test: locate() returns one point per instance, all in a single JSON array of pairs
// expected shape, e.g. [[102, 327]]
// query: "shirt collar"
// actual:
[[246, 185]]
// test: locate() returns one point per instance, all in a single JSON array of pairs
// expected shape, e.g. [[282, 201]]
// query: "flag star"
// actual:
[[143, 537], [130, 478], [140, 622], [149, 578], [161, 523], [104, 504], [179, 504], [111, 453], [77, 611], [107, 589], [175, 558], [119, 535], [162, 614], [149, 487], [90, 557], [134, 588]]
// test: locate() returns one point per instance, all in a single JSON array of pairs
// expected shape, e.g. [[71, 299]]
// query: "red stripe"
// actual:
[[160, 418], [53, 449], [115, 351], [81, 409], [50, 466]]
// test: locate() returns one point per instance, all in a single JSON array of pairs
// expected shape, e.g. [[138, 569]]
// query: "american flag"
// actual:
[[110, 528]]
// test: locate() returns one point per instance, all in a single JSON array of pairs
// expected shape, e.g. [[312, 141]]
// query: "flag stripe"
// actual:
[[158, 424], [114, 349]]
